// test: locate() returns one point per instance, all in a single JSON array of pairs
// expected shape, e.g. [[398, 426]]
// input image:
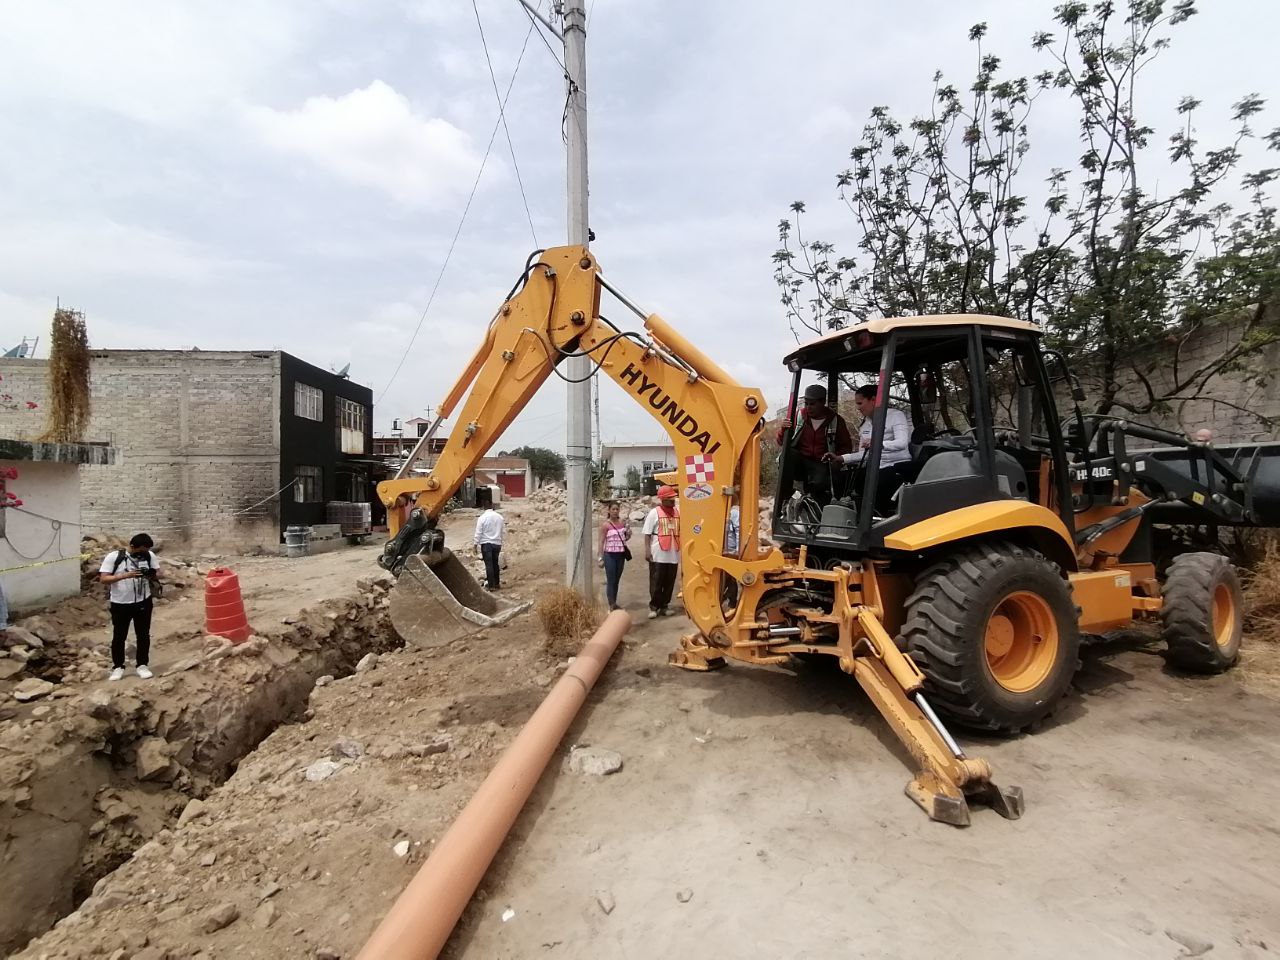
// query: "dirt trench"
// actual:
[[90, 775]]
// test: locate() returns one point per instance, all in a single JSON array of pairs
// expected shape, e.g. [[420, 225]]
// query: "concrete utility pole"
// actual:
[[579, 564]]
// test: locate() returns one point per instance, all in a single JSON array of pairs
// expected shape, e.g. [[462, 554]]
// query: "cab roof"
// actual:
[[884, 325]]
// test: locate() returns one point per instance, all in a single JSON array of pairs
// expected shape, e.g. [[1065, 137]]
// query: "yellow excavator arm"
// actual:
[[713, 421]]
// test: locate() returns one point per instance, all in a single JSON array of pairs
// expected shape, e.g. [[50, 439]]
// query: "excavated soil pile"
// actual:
[[91, 770]]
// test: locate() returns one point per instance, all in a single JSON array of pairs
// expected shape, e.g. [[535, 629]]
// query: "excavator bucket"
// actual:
[[436, 600]]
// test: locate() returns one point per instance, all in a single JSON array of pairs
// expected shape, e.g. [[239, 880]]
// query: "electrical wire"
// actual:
[[534, 25], [461, 220], [502, 116]]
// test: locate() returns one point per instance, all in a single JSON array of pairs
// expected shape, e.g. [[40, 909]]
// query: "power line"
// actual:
[[502, 116], [533, 24], [461, 220]]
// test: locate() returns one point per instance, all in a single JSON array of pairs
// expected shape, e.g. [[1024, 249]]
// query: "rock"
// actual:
[[10, 667], [153, 758], [593, 761], [1193, 945], [189, 663], [347, 748], [322, 770], [193, 809], [401, 849], [605, 901], [325, 680], [427, 749], [208, 859], [685, 895], [219, 917], [32, 688], [18, 636], [265, 915], [367, 662], [324, 953]]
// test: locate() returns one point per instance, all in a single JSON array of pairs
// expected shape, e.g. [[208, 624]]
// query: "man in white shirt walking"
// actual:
[[131, 574], [662, 550], [490, 530]]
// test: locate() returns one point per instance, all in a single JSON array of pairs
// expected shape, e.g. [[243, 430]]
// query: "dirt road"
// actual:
[[759, 813]]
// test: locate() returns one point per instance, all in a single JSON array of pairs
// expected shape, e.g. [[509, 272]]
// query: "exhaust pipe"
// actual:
[[420, 921]]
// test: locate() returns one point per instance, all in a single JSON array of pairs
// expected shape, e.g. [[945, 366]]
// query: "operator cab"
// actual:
[[982, 419]]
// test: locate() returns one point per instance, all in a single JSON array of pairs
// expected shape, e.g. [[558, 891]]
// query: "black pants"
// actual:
[[662, 580], [613, 564], [490, 553], [123, 614], [817, 478]]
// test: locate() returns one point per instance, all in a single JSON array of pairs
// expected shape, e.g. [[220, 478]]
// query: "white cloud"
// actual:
[[373, 137], [35, 254]]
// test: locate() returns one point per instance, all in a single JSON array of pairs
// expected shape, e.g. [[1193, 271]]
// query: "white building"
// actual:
[[40, 538], [647, 458]]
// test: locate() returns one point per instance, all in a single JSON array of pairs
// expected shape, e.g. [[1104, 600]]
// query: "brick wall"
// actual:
[[198, 435]]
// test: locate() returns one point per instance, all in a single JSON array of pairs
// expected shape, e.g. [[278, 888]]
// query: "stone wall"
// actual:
[[198, 435], [1235, 405]]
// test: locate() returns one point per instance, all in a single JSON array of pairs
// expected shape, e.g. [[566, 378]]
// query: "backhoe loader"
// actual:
[[956, 586]]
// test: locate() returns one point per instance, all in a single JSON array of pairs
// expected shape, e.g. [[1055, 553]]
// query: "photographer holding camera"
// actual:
[[133, 576]]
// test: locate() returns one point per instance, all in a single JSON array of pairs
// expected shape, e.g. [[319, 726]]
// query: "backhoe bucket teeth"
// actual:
[[436, 600]]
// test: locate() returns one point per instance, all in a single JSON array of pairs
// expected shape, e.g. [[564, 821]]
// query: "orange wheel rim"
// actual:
[[1224, 615], [1021, 641]]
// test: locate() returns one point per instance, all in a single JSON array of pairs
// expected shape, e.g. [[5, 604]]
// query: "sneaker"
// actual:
[[117, 674], [668, 612], [653, 614], [145, 672]]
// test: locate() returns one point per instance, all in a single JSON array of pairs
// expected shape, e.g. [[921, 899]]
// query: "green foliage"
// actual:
[[546, 464], [1106, 258], [633, 479]]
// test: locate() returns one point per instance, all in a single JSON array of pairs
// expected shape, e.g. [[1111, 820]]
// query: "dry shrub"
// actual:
[[68, 410], [1262, 593], [567, 619]]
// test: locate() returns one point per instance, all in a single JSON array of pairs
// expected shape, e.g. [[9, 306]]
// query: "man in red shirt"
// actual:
[[820, 431]]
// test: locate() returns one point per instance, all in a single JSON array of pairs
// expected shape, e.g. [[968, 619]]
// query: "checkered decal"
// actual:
[[699, 468]]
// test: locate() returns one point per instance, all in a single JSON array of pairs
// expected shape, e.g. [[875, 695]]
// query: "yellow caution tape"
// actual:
[[45, 563]]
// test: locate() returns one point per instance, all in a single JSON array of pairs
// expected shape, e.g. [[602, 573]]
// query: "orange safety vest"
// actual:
[[669, 528]]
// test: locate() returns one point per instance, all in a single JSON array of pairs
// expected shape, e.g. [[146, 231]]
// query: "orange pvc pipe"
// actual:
[[420, 921]]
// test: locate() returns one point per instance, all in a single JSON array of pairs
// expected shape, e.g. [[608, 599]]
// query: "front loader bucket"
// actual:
[[436, 600]]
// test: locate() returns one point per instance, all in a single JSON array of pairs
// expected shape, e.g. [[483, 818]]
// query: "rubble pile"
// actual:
[[91, 770]]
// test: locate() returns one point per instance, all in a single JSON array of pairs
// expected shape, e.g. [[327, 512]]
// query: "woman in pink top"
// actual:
[[614, 552]]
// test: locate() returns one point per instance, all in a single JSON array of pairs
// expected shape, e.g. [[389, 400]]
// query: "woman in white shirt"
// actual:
[[894, 445]]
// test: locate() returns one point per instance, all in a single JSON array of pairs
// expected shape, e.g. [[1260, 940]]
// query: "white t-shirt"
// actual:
[[897, 437], [651, 530], [129, 591], [490, 527]]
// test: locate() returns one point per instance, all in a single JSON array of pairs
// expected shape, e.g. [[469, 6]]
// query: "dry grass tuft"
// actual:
[[567, 619], [1262, 595], [68, 410]]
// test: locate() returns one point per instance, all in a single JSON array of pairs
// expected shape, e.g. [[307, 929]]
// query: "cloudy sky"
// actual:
[[288, 174]]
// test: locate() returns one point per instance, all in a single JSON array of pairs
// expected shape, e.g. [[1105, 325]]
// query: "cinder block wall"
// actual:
[[198, 439]]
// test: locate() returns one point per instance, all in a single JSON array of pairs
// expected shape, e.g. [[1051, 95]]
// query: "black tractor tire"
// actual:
[[987, 611], [1203, 613]]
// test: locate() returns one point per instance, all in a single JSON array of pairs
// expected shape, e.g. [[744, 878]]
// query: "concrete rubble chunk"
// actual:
[[1192, 945], [428, 749], [32, 688], [351, 749], [401, 849], [219, 917], [593, 761], [10, 667], [367, 662], [265, 915], [193, 809], [153, 758], [685, 895], [322, 770], [19, 636], [325, 680]]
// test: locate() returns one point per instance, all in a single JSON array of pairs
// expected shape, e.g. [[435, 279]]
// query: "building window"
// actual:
[[308, 485], [308, 401], [350, 426], [653, 466]]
